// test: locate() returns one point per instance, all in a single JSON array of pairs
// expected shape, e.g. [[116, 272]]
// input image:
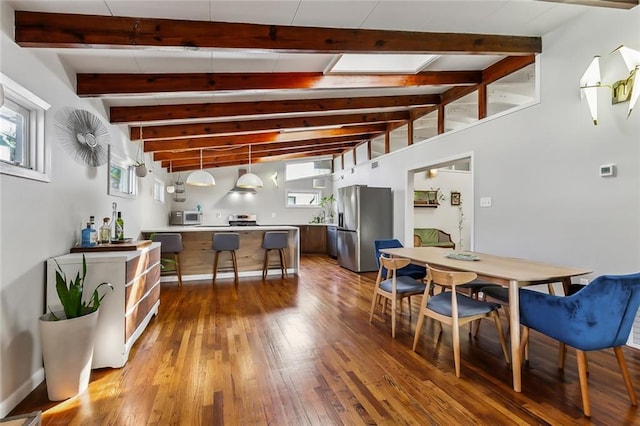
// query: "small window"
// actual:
[[300, 170], [303, 199], [122, 177], [158, 190], [22, 144]]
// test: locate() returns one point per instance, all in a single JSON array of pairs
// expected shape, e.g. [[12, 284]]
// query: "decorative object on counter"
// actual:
[[104, 236], [141, 168], [68, 336], [249, 180], [114, 216], [83, 135], [201, 177], [119, 227], [89, 236]]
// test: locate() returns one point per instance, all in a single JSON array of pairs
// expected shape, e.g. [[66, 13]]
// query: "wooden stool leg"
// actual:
[[215, 267], [265, 266], [176, 257], [235, 265], [283, 262]]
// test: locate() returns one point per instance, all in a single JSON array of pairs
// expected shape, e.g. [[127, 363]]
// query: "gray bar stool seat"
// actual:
[[171, 244], [275, 240], [225, 241]]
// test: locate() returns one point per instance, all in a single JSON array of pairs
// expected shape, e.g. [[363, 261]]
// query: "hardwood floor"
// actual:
[[300, 351]]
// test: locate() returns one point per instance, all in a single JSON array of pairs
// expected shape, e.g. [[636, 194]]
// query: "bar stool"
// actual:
[[225, 241], [275, 240], [170, 244]]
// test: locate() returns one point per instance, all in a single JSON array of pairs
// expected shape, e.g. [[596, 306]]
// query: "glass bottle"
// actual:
[[114, 213], [89, 236], [119, 227], [105, 232]]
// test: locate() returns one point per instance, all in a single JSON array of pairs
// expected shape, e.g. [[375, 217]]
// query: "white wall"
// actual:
[[39, 220], [268, 203], [540, 164], [447, 217]]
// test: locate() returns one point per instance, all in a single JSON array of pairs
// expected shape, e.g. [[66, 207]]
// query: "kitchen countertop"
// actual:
[[220, 228]]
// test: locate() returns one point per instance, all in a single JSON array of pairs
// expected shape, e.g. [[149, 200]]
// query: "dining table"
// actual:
[[510, 272]]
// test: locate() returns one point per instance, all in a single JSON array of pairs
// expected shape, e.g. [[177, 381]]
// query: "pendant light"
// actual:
[[200, 177], [249, 180]]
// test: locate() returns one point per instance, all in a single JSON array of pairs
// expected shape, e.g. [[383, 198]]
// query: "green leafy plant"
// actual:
[[71, 294]]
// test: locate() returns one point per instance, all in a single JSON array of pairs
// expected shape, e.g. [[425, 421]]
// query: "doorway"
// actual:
[[440, 196]]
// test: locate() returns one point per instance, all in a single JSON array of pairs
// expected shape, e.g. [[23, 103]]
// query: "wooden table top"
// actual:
[[487, 265]]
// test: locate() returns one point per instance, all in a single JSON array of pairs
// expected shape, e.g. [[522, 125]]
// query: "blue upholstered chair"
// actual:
[[599, 316], [414, 271], [394, 287]]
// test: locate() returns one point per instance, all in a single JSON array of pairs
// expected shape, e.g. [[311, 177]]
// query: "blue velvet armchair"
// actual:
[[599, 316], [414, 271]]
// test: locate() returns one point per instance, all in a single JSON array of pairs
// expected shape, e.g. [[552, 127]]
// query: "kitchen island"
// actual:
[[196, 258]]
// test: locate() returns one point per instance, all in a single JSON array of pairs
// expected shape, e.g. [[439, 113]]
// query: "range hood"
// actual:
[[238, 190]]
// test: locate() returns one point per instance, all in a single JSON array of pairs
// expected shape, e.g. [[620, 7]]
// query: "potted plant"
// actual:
[[141, 169], [68, 336]]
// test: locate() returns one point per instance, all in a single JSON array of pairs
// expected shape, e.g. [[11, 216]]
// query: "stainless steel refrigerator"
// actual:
[[365, 214]]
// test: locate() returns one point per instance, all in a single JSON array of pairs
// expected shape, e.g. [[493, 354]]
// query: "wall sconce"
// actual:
[[431, 173], [274, 178], [621, 91]]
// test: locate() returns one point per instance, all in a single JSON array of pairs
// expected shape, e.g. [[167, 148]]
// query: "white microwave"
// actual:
[[184, 217]]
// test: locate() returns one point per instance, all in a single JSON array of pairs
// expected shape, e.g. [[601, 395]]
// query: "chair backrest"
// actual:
[[275, 240], [449, 278], [171, 242], [388, 268], [383, 244], [225, 241], [597, 317]]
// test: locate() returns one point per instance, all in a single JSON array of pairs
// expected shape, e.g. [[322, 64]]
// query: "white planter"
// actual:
[[67, 349]]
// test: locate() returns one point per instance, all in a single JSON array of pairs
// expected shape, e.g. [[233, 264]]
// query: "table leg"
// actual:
[[514, 317]]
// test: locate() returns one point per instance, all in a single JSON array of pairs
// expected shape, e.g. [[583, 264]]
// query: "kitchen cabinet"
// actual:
[[313, 239], [332, 241], [125, 311]]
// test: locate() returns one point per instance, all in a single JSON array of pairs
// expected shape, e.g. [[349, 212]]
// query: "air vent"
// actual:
[[374, 165]]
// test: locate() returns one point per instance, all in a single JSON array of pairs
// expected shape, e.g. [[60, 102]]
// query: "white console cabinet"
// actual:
[[125, 311]]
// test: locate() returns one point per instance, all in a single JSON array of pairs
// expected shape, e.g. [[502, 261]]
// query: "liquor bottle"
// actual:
[[119, 227], [114, 216], [93, 235], [89, 236], [105, 232]]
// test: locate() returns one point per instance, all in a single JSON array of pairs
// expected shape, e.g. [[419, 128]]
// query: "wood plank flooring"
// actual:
[[300, 351]]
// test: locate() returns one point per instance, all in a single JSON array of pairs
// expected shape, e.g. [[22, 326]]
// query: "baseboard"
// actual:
[[21, 393]]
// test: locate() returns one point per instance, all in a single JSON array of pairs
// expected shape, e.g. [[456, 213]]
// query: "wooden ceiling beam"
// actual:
[[256, 155], [97, 85], [227, 163], [248, 126], [615, 4], [60, 30], [258, 138], [133, 114], [255, 149]]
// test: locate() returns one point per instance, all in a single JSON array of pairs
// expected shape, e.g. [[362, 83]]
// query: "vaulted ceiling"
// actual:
[[207, 79]]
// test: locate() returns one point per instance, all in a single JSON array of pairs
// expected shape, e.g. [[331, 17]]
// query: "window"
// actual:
[[122, 176], [158, 190], [22, 145], [303, 198], [300, 170]]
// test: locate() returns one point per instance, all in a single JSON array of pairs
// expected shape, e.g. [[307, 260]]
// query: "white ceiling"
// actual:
[[502, 17]]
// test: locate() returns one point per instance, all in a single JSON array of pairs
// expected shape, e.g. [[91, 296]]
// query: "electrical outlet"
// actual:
[[485, 202]]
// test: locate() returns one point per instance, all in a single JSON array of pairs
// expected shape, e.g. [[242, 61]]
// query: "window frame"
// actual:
[[316, 193], [126, 165], [38, 151]]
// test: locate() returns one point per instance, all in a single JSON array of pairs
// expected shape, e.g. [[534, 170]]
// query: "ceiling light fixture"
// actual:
[[621, 91], [249, 180], [200, 177]]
